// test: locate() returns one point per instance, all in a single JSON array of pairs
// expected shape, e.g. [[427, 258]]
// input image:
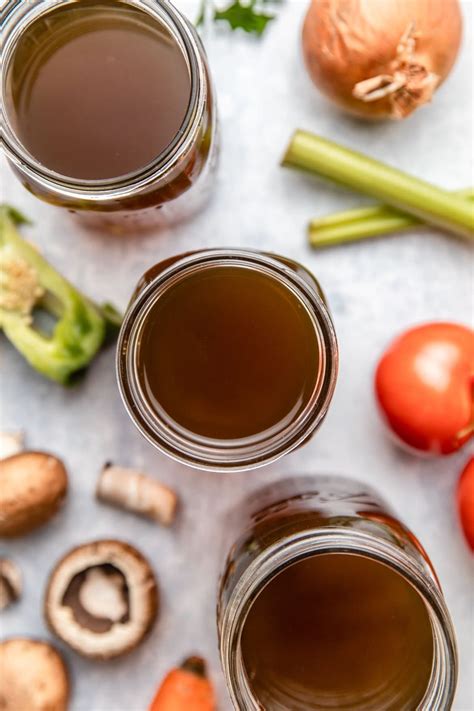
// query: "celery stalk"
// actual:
[[394, 187], [364, 223]]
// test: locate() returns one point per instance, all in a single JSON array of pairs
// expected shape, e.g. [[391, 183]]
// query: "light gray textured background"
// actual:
[[374, 289]]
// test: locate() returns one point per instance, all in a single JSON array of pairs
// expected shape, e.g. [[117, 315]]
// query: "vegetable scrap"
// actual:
[[357, 171], [34, 676], [381, 59], [424, 387], [365, 223], [139, 493], [465, 500], [185, 688], [33, 486], [102, 599], [30, 285], [247, 16]]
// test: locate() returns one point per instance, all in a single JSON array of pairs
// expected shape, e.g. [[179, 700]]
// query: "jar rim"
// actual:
[[266, 566], [229, 455], [17, 16]]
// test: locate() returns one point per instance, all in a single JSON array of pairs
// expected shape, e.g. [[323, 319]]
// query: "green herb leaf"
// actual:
[[244, 17], [239, 15]]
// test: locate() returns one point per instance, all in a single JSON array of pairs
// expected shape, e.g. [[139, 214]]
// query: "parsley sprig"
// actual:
[[247, 16]]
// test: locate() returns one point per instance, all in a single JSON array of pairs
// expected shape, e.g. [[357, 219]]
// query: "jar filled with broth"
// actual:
[[327, 601], [227, 358], [108, 109]]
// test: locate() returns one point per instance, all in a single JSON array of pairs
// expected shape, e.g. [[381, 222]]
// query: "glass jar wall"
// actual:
[[136, 145], [227, 359], [327, 601]]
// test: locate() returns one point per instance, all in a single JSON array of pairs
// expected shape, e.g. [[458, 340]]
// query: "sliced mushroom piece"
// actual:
[[10, 443], [102, 599], [137, 492], [10, 583], [33, 677], [33, 486]]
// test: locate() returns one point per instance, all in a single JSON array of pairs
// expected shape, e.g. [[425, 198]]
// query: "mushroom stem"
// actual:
[[101, 595], [10, 582], [136, 492]]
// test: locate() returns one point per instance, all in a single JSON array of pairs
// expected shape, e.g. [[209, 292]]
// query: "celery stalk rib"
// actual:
[[394, 187], [364, 223]]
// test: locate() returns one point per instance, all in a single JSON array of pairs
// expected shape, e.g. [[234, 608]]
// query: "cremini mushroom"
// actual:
[[33, 677], [136, 492], [10, 583], [10, 443], [102, 599], [33, 486]]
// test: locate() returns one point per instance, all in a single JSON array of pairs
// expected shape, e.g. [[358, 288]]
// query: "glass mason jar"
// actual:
[[172, 186], [226, 452], [371, 583]]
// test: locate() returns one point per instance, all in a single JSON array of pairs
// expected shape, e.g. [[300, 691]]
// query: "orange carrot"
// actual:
[[186, 688]]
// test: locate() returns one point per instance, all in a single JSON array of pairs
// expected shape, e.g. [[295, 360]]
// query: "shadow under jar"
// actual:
[[328, 602], [108, 109], [227, 359]]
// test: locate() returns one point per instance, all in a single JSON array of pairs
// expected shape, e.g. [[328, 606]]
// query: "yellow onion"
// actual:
[[381, 58]]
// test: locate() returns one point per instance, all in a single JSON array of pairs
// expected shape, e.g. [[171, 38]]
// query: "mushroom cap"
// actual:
[[102, 599], [33, 677], [33, 485]]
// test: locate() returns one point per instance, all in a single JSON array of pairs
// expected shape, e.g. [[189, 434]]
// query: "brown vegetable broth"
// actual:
[[229, 352], [338, 631], [97, 89]]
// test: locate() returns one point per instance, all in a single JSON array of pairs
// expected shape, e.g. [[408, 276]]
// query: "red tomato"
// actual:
[[425, 385], [465, 497]]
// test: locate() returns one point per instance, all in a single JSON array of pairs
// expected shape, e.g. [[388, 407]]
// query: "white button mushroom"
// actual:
[[33, 677], [33, 486], [102, 599]]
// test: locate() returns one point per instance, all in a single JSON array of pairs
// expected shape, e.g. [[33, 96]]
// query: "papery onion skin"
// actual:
[[408, 42]]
